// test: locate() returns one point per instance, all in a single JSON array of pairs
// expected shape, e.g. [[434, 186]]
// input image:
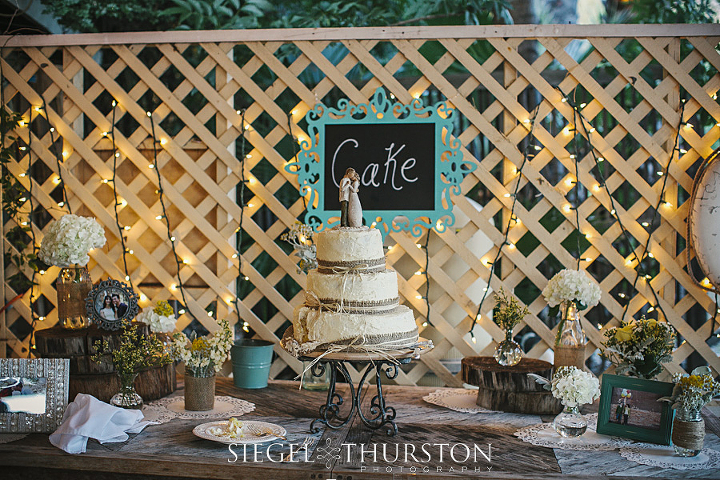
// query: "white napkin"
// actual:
[[88, 417]]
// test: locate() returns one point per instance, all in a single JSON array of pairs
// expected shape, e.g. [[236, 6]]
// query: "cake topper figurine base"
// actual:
[[350, 207]]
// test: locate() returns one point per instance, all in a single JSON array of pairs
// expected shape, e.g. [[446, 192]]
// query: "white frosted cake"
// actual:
[[352, 297]]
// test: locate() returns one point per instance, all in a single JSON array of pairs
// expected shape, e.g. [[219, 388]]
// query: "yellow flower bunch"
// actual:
[[163, 308], [694, 391], [203, 356], [199, 345], [639, 348]]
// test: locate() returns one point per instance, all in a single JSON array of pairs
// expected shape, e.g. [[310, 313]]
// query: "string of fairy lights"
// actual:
[[163, 216], [582, 130], [65, 201], [588, 130], [239, 230], [120, 229], [34, 318], [62, 204], [512, 219]]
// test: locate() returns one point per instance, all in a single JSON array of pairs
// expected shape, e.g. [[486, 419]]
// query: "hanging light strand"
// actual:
[[28, 173], [511, 220], [115, 155], [576, 186], [171, 238], [58, 156], [239, 239], [580, 120]]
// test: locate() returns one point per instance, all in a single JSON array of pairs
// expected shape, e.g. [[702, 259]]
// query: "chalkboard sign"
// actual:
[[408, 161], [395, 161]]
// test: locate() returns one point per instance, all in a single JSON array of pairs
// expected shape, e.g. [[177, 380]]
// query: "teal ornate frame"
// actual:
[[380, 110]]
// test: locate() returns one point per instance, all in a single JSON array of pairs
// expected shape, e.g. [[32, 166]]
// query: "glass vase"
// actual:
[[199, 393], [688, 434], [570, 423], [73, 286], [508, 352], [312, 382], [570, 340], [127, 397]]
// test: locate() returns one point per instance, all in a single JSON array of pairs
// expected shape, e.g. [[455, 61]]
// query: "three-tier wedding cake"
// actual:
[[352, 297]]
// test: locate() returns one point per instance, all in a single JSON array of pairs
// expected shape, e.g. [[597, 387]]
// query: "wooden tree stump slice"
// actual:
[[510, 389], [99, 379]]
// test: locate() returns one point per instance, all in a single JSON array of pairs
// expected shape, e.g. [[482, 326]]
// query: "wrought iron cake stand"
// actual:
[[380, 414]]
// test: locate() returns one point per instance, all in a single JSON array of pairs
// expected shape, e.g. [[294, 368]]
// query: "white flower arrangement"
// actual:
[[69, 239], [160, 319], [572, 286], [203, 356], [572, 386]]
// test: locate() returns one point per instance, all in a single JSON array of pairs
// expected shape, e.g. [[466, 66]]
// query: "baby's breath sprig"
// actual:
[[134, 352], [508, 311]]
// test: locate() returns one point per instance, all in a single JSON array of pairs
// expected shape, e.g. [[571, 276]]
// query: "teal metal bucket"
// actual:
[[251, 361]]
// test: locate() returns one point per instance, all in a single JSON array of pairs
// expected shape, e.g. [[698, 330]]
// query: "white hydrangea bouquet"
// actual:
[[203, 356], [69, 239], [160, 318], [572, 386], [571, 286]]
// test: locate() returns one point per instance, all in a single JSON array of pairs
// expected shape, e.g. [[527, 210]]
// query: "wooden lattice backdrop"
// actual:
[[196, 83]]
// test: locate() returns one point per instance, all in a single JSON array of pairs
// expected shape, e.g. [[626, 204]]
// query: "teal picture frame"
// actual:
[[648, 427], [432, 125]]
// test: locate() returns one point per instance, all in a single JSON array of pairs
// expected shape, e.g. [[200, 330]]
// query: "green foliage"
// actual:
[[89, 16], [672, 11], [134, 353], [138, 15], [216, 14], [508, 311]]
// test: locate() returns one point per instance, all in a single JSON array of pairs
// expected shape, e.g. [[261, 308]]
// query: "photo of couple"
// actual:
[[635, 408], [113, 307]]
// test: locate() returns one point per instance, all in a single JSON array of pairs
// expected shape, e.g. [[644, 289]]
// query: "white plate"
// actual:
[[203, 431]]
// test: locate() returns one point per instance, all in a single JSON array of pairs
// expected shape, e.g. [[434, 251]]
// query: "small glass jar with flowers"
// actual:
[[690, 394], [133, 352], [574, 388], [570, 291], [203, 358], [66, 244], [508, 312], [638, 348]]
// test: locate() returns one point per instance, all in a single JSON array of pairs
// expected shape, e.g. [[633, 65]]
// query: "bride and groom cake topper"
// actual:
[[350, 208]]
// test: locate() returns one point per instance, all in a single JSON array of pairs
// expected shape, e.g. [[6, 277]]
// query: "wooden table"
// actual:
[[171, 449]]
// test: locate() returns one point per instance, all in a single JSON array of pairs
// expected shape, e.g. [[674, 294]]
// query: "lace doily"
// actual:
[[166, 409], [663, 456], [11, 437], [544, 435], [458, 399]]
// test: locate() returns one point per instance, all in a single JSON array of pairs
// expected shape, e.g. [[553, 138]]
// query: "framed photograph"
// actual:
[[629, 408], [111, 304], [33, 394]]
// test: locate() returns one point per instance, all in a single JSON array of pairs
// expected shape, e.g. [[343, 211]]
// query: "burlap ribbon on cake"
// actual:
[[345, 269], [383, 346], [380, 345], [316, 303]]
